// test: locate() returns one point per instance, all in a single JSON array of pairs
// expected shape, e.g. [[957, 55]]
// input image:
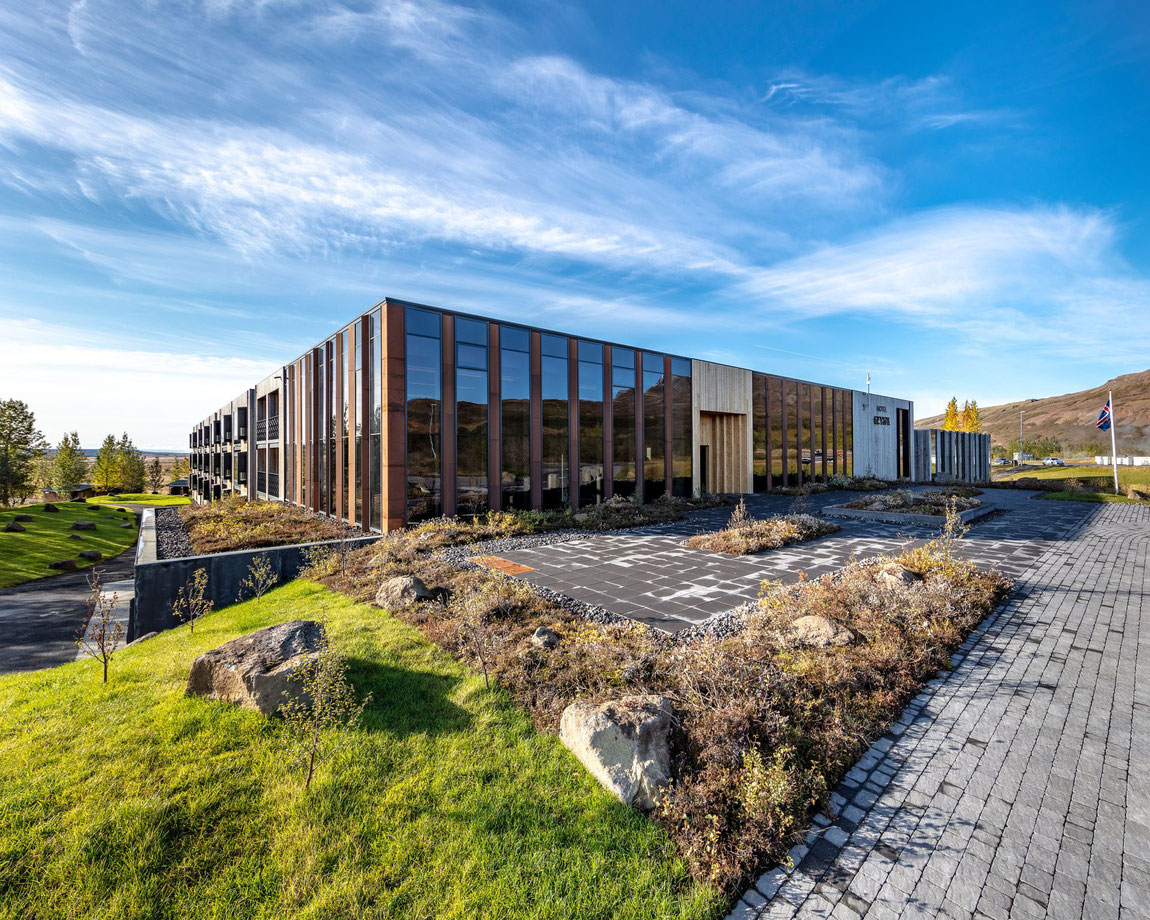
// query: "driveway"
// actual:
[[39, 621]]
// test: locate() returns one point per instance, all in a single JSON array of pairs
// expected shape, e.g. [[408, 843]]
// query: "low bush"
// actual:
[[745, 534], [764, 729], [837, 483], [929, 501]]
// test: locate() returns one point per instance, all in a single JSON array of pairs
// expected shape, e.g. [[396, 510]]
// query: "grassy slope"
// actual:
[[141, 498], [25, 556], [133, 801], [1090, 497], [1127, 475]]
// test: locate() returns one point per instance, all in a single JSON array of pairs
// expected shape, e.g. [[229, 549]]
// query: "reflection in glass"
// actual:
[[590, 423], [515, 383], [682, 443], [759, 432], [623, 421], [471, 417], [654, 427], [556, 476], [424, 416]]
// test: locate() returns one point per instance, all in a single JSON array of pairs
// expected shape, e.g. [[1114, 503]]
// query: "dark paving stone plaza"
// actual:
[[1015, 785]]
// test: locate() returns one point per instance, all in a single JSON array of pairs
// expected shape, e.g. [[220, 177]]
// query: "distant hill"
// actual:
[[1070, 418]]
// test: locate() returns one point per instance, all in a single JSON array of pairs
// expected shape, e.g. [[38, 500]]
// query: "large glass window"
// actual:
[[817, 452], [848, 434], [346, 363], [682, 443], [556, 476], [759, 432], [471, 415], [623, 420], [424, 418], [777, 440], [332, 423], [323, 399], [590, 423], [515, 393], [374, 421], [654, 427], [794, 437]]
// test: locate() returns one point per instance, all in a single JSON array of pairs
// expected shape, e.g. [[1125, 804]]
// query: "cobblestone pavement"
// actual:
[[650, 576], [1017, 784]]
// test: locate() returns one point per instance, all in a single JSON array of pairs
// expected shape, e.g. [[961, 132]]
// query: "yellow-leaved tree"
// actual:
[[971, 417], [951, 421]]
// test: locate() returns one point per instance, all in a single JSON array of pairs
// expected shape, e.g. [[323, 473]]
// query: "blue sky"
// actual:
[[952, 197]]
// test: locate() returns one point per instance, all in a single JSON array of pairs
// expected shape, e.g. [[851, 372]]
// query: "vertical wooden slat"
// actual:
[[393, 435]]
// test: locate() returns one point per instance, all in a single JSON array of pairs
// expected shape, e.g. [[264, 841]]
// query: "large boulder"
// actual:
[[256, 671], [84, 525], [819, 632], [13, 527], [623, 743], [64, 565], [895, 575], [51, 509], [545, 637], [91, 555], [400, 591], [23, 518]]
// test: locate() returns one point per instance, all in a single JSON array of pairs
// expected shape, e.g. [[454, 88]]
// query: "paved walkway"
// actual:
[[1017, 785], [39, 621], [650, 576]]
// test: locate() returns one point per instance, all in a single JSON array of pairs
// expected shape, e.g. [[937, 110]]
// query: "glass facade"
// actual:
[[654, 427], [682, 441], [623, 421], [424, 364], [530, 413], [590, 423], [471, 416], [553, 395], [515, 417]]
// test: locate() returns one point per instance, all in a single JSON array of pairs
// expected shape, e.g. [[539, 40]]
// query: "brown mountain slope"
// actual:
[[1070, 418]]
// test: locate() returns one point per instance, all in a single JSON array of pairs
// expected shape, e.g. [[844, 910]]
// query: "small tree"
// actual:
[[190, 603], [180, 469], [155, 475], [971, 417], [473, 624], [69, 466], [260, 579], [951, 421], [106, 466], [21, 446], [102, 632], [317, 723], [131, 465]]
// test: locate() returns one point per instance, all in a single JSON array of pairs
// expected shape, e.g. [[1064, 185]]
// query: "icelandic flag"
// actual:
[[1104, 417]]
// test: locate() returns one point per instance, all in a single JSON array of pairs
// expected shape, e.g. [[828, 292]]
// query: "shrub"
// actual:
[[745, 534]]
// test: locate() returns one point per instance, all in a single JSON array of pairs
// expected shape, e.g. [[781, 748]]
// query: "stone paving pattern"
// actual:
[[1016, 785], [650, 576]]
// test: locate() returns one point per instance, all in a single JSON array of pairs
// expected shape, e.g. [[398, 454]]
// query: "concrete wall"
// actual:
[[959, 456], [159, 581], [875, 441]]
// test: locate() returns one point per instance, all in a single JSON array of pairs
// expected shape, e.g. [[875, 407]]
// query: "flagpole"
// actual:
[[1113, 442]]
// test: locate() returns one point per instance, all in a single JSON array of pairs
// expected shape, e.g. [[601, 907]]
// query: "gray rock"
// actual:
[[895, 575], [91, 555], [256, 671], [143, 638], [126, 526], [84, 525], [401, 591], [64, 565], [545, 638], [74, 536], [819, 632], [23, 518], [623, 743], [13, 527], [51, 509]]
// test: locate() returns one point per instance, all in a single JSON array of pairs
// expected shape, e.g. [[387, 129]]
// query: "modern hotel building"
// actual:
[[410, 412]]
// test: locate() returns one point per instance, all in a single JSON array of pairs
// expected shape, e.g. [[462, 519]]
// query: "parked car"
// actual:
[[1002, 461], [1053, 461]]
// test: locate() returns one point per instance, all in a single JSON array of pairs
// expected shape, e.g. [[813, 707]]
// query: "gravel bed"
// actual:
[[172, 540]]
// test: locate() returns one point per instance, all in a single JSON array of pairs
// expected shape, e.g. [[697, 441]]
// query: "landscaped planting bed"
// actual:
[[745, 534], [929, 501], [766, 724], [235, 523]]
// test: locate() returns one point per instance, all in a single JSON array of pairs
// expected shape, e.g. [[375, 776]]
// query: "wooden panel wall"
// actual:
[[725, 395]]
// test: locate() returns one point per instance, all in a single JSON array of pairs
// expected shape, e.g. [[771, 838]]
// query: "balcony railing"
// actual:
[[268, 483], [268, 429]]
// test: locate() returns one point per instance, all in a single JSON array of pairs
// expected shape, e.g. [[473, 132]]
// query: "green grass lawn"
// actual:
[[25, 556], [141, 498], [1127, 475], [131, 800], [1091, 497]]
